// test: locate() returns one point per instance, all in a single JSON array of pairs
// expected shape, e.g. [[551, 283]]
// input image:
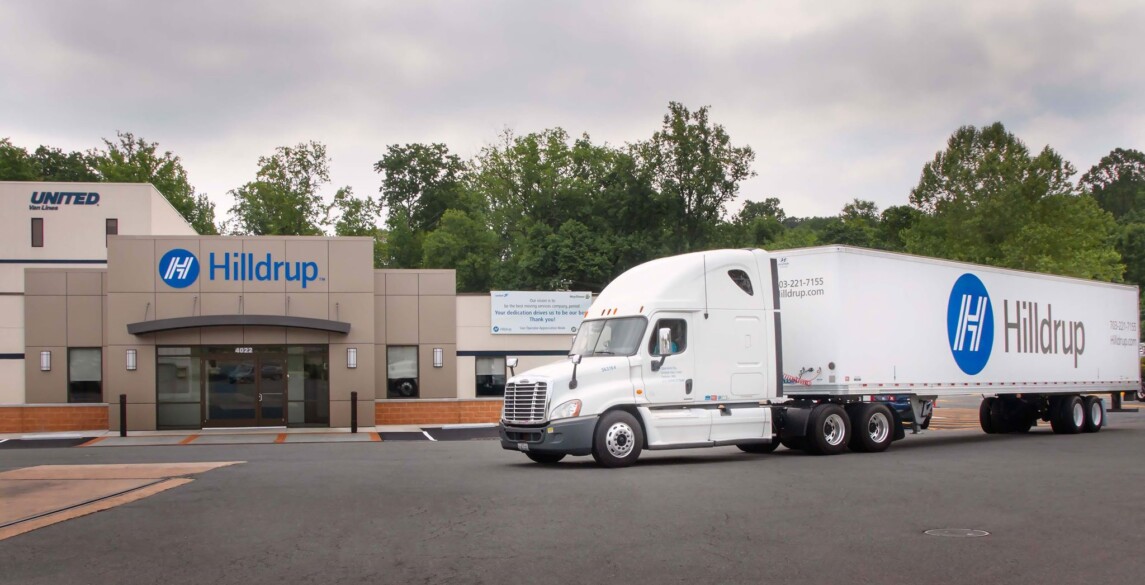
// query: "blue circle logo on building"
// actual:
[[179, 268], [970, 324]]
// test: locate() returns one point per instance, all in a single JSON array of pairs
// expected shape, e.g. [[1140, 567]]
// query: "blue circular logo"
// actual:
[[179, 268], [970, 324]]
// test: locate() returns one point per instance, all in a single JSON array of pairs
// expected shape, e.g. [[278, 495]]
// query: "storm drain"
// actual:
[[957, 532]]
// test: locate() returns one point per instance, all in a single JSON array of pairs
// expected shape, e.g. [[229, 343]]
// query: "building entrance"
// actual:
[[245, 390]]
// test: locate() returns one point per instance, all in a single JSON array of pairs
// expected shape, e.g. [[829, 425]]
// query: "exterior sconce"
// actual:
[[351, 357], [132, 360], [438, 357], [45, 361]]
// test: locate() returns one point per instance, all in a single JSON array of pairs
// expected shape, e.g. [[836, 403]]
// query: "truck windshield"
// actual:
[[609, 337]]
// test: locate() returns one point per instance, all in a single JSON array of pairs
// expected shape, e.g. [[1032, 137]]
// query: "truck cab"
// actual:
[[676, 353]]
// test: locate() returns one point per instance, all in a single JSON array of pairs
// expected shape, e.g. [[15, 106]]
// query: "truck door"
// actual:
[[669, 378]]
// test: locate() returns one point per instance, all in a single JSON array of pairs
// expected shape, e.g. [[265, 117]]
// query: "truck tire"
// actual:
[[872, 428], [1068, 415], [828, 430], [546, 458], [617, 440], [1094, 414], [984, 418], [793, 443], [759, 448], [1141, 394]]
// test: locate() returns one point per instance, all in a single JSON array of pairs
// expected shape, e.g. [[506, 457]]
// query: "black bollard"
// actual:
[[353, 412], [123, 415]]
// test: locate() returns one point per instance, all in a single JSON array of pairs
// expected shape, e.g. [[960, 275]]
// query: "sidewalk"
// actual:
[[248, 436]]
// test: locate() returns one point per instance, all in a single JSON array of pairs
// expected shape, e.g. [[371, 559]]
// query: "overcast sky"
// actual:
[[839, 99]]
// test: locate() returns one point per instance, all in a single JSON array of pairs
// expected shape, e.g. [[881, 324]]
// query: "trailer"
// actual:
[[801, 348]]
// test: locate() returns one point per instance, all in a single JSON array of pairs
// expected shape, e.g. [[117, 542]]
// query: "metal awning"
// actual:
[[157, 325]]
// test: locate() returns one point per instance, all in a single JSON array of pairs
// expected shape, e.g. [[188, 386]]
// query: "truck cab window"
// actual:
[[679, 328], [619, 336], [742, 280]]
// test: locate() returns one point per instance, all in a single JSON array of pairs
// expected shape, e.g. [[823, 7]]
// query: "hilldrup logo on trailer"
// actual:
[[179, 268], [970, 324]]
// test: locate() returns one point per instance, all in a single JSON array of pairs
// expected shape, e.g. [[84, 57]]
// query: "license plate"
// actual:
[[523, 446]]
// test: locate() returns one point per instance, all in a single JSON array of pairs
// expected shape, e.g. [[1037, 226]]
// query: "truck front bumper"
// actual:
[[571, 437]]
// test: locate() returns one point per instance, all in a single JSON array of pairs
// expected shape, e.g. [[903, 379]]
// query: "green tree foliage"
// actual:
[[465, 244], [1117, 182], [986, 199], [54, 164], [285, 198], [893, 223], [695, 168], [359, 217], [134, 160], [16, 164], [419, 183]]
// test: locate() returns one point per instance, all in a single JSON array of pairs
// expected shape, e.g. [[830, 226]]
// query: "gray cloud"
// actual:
[[839, 99]]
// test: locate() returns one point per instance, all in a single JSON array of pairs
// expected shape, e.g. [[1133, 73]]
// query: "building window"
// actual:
[[85, 374], [490, 376], [401, 372], [37, 232], [112, 229]]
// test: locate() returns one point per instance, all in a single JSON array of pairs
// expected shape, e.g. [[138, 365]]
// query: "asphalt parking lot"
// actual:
[[1059, 509]]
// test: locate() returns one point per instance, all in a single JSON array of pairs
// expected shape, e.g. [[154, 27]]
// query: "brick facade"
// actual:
[[436, 412], [38, 419]]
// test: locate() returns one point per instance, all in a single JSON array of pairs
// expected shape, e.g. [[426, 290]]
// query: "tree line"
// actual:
[[552, 210]]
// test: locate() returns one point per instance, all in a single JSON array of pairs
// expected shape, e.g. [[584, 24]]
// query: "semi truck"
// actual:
[[801, 348]]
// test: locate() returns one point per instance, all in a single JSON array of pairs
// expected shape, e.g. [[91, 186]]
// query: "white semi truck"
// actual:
[[756, 349]]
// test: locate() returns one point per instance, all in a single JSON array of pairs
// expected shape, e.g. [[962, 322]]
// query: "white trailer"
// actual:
[[754, 349]]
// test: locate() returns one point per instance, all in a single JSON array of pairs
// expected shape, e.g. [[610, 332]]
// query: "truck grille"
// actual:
[[526, 403]]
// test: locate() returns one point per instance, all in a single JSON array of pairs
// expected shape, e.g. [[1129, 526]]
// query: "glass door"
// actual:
[[272, 376], [231, 396]]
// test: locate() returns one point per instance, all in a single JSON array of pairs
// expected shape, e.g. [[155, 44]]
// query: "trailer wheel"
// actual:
[[759, 448], [999, 422], [1094, 414], [829, 430], [1068, 416], [1141, 394], [546, 458], [872, 429], [617, 440], [984, 418]]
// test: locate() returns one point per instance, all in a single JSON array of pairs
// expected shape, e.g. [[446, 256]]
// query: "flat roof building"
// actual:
[[107, 291]]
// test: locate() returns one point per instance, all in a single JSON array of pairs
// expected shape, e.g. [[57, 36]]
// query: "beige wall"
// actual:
[[66, 309], [71, 232], [474, 333], [417, 308]]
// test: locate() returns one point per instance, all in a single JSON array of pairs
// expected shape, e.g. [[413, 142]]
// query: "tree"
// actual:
[[985, 199], [134, 160], [894, 221], [423, 180], [359, 217], [15, 163], [54, 164], [694, 166], [465, 244], [1117, 182], [285, 198]]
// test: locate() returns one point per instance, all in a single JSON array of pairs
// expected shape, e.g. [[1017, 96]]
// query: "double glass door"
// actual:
[[245, 390]]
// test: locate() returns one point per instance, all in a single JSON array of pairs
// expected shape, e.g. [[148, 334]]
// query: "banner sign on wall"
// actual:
[[538, 313]]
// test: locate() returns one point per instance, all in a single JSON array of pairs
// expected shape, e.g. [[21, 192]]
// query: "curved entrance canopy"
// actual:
[[231, 320]]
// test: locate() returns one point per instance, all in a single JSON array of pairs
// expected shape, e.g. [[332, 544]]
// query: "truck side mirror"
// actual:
[[575, 359], [512, 363], [663, 347]]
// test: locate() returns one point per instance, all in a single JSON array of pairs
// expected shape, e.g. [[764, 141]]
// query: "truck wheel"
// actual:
[[1094, 414], [1069, 415], [546, 458], [829, 430], [984, 418], [617, 440], [793, 443], [759, 448], [1141, 394], [871, 428]]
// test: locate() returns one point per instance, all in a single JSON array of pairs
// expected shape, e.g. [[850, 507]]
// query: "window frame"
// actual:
[[37, 232], [71, 399], [393, 385], [477, 377], [653, 340]]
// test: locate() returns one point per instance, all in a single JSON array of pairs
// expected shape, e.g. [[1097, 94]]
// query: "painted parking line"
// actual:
[[429, 436]]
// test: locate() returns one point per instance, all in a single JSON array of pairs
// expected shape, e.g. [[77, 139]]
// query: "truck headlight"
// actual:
[[566, 410]]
